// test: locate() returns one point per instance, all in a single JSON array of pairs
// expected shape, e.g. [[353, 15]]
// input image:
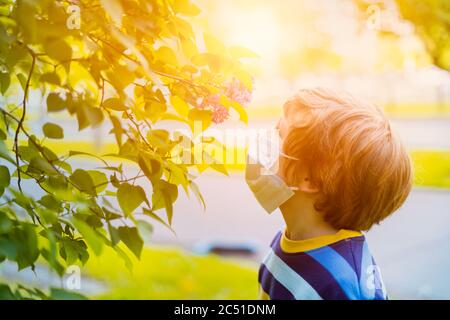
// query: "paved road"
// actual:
[[411, 246], [424, 134]]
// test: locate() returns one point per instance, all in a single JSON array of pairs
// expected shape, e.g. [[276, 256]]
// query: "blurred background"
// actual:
[[395, 54]]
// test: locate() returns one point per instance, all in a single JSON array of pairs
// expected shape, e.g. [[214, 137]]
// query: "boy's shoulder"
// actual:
[[341, 269]]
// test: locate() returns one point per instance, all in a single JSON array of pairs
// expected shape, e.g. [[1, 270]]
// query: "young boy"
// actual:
[[349, 171]]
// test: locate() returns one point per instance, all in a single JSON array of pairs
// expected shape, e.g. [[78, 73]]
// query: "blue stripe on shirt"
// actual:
[[291, 280], [314, 273], [272, 287], [342, 272]]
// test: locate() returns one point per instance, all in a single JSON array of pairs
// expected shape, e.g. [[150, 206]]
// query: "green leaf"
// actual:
[[100, 180], [180, 106], [196, 190], [83, 181], [117, 129], [61, 294], [5, 177], [73, 153], [166, 55], [6, 223], [114, 233], [8, 248], [63, 165], [245, 78], [55, 103], [186, 7], [243, 116], [214, 164], [93, 239], [50, 252], [154, 216], [5, 81], [27, 153], [58, 49], [150, 166], [4, 153], [6, 293], [203, 117], [47, 216], [41, 165], [52, 131], [26, 244], [114, 104], [74, 250], [130, 197], [132, 239], [177, 174], [22, 80], [159, 138], [155, 110], [50, 77], [50, 202], [164, 195], [88, 116], [189, 48], [109, 215]]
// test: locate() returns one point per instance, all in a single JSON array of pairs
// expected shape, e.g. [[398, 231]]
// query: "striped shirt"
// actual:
[[338, 266]]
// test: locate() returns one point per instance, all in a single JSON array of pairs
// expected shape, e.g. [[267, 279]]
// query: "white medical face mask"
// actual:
[[261, 174]]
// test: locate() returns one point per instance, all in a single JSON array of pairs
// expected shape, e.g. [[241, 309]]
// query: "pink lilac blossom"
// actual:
[[219, 112], [210, 101], [237, 91]]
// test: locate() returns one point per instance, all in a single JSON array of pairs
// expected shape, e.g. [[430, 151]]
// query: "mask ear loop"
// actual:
[[291, 158], [288, 156]]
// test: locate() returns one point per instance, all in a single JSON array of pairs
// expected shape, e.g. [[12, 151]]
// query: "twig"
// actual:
[[139, 131], [22, 118], [121, 181], [167, 75]]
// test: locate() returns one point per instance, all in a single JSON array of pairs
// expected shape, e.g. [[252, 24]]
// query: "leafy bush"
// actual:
[[125, 64]]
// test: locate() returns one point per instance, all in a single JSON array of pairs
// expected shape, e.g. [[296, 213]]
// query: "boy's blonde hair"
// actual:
[[351, 155]]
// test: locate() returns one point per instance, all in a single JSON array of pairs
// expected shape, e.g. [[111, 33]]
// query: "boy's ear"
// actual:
[[307, 186]]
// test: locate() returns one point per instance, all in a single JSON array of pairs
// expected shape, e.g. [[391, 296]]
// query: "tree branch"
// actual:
[[22, 118]]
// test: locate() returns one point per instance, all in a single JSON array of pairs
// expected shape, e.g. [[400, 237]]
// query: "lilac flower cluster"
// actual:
[[237, 91], [234, 90]]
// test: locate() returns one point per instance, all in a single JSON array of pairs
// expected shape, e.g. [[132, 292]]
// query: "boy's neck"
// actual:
[[302, 220]]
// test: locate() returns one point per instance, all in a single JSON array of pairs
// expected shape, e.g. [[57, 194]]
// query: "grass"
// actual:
[[418, 110], [164, 273], [431, 168]]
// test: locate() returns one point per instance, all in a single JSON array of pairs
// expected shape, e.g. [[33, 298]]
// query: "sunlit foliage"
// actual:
[[126, 64]]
